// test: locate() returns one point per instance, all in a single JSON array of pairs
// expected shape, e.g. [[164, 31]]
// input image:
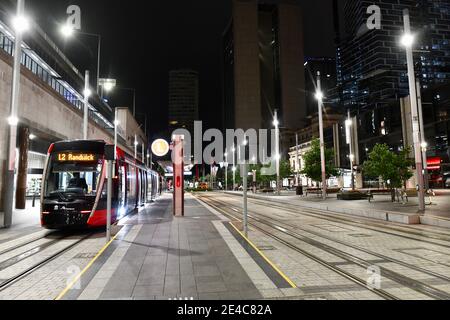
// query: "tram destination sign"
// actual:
[[76, 156]]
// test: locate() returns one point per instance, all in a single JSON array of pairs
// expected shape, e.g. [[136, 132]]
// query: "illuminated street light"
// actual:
[[13, 121], [21, 23], [424, 145], [277, 148], [32, 136], [87, 92], [407, 40], [67, 30], [319, 95]]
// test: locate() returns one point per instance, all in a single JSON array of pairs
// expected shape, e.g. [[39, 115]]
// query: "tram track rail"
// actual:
[[361, 249], [364, 224], [11, 280], [26, 243], [393, 276]]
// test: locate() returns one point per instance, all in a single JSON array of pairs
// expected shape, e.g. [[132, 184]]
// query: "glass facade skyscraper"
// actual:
[[372, 74]]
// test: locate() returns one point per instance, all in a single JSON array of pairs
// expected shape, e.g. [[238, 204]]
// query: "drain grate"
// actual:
[[85, 255]]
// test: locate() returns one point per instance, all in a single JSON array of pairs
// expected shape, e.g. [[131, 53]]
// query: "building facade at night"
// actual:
[[183, 98], [263, 65], [372, 74]]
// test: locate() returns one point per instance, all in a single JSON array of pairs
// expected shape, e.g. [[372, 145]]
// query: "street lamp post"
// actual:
[[135, 146], [319, 97], [20, 25], [234, 166], [226, 170], [424, 144], [407, 41], [86, 94], [277, 149], [67, 31], [348, 129], [297, 158]]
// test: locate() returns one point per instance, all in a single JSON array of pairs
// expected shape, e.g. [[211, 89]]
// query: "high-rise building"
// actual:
[[372, 63], [263, 65], [372, 73], [183, 98]]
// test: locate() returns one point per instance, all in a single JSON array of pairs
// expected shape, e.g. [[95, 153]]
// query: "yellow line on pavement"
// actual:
[[285, 277], [69, 286]]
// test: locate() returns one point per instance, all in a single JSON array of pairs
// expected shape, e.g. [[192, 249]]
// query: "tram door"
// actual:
[[122, 187]]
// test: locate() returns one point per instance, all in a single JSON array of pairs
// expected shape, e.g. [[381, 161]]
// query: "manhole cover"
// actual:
[[85, 255]]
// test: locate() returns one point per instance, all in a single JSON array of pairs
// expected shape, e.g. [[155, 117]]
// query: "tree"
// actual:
[[391, 167], [312, 161]]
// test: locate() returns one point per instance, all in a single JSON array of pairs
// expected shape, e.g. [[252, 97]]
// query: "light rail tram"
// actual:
[[74, 185]]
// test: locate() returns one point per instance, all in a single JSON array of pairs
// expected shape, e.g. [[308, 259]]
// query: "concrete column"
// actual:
[[24, 141]]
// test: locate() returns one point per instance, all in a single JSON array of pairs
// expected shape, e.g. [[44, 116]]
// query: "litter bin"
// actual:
[[299, 190]]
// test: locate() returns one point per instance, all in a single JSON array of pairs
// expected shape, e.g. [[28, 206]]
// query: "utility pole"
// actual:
[[277, 149], [244, 190], [408, 42], [226, 170], [297, 160], [351, 156], [86, 104], [135, 146], [319, 97], [13, 121], [234, 167], [422, 137]]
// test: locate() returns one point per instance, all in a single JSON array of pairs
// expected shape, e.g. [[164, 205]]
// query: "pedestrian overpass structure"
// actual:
[[50, 108]]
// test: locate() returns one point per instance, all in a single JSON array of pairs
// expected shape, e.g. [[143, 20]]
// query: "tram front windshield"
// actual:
[[72, 176]]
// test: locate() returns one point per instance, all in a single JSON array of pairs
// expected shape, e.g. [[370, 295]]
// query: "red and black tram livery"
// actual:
[[74, 185]]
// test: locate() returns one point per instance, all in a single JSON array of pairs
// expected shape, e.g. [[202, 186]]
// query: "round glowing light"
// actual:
[[319, 95], [21, 23], [160, 147], [244, 143], [67, 30], [233, 169], [13, 121], [116, 122], [276, 123], [136, 143], [108, 86], [87, 92], [407, 40], [32, 136], [424, 145], [348, 122]]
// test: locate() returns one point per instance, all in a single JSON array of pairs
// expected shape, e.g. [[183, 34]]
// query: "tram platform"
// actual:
[[202, 256]]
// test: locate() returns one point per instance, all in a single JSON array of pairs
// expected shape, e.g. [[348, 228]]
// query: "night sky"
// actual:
[[143, 40]]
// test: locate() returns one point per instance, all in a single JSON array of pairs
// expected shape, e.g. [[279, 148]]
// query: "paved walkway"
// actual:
[[440, 205], [24, 222], [157, 256]]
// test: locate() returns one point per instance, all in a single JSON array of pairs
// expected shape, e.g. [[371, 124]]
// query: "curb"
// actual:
[[391, 216]]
